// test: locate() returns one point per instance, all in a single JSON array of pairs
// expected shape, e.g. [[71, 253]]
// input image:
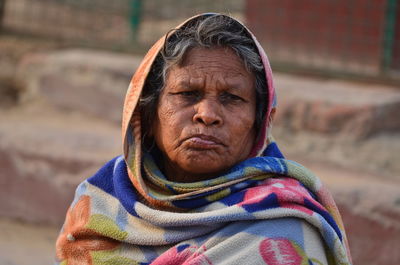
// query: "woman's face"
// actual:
[[206, 115]]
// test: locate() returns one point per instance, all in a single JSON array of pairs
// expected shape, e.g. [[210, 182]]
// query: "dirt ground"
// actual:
[[22, 243]]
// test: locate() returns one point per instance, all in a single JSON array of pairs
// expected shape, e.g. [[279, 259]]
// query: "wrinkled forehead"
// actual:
[[199, 61]]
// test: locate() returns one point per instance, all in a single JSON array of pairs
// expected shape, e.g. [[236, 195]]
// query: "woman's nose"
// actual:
[[208, 113]]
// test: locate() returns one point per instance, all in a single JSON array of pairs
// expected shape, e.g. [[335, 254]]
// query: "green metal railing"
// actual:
[[134, 15], [389, 36]]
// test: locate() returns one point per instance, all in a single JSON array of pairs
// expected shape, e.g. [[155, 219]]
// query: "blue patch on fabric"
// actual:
[[149, 253], [113, 178], [171, 189], [121, 219], [181, 248], [309, 191], [273, 151], [81, 189], [235, 196], [102, 178], [200, 200], [283, 165], [328, 218], [233, 199], [190, 203], [271, 201], [124, 189]]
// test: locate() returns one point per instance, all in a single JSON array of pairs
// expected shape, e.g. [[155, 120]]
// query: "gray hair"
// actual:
[[204, 32]]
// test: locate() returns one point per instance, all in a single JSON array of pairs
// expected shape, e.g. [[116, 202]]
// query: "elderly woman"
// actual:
[[201, 180]]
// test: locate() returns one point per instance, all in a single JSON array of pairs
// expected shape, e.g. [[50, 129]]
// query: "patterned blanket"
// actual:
[[265, 210]]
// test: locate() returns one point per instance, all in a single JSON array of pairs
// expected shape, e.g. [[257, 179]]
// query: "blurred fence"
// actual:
[[344, 37], [104, 23], [341, 36]]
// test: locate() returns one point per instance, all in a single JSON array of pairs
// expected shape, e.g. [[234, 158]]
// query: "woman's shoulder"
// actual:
[[108, 172], [106, 182]]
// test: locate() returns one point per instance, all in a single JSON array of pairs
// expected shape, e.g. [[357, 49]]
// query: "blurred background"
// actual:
[[65, 66]]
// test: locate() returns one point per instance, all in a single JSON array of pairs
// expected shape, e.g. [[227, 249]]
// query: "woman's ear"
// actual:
[[272, 115]]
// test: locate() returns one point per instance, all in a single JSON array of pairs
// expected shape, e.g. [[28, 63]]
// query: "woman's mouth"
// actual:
[[201, 141]]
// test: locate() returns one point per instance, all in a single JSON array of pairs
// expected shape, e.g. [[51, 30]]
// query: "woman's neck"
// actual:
[[175, 174]]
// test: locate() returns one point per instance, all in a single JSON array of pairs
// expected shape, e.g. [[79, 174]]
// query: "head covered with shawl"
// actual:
[[201, 180]]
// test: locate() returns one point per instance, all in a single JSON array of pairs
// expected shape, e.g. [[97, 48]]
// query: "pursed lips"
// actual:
[[203, 141]]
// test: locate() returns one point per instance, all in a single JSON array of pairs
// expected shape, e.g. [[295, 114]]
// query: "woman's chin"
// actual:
[[204, 169]]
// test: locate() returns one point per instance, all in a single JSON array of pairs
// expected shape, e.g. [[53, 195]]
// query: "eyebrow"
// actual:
[[187, 83], [182, 84], [235, 86]]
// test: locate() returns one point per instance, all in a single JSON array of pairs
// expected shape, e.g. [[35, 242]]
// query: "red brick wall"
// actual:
[[338, 34]]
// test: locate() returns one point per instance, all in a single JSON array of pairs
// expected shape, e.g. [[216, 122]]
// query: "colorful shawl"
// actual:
[[265, 210]]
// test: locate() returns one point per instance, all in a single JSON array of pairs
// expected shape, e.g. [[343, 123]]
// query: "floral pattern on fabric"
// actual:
[[75, 243], [281, 252], [183, 255], [284, 192]]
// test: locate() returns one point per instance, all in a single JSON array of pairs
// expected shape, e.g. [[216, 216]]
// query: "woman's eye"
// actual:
[[228, 97], [187, 93], [191, 95]]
